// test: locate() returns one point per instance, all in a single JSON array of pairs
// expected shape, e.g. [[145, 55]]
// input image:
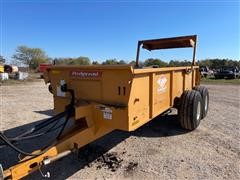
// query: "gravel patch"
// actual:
[[158, 150]]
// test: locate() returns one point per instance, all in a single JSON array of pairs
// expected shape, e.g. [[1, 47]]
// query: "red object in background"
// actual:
[[43, 67]]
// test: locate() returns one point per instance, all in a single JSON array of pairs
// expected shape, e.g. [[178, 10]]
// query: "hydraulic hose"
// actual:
[[67, 113], [51, 129], [29, 133], [64, 125], [47, 122], [41, 125], [7, 141], [4, 138]]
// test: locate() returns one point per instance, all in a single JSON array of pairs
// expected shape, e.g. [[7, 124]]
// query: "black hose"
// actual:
[[25, 135], [68, 112], [6, 140], [36, 135], [70, 107], [42, 124], [64, 125], [49, 121]]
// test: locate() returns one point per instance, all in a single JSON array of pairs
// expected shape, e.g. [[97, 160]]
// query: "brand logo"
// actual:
[[162, 84], [85, 74]]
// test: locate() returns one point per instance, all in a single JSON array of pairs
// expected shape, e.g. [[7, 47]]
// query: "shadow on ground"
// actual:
[[49, 112], [161, 126]]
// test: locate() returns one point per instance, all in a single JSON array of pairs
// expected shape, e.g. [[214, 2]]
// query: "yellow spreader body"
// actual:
[[109, 98]]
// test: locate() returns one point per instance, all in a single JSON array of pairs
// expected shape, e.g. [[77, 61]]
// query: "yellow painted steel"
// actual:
[[1, 69], [133, 96], [109, 98]]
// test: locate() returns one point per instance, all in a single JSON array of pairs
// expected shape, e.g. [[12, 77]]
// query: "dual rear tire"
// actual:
[[193, 107], [205, 99]]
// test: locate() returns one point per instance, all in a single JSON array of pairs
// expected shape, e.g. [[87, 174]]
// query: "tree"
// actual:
[[133, 63], [180, 63], [122, 62], [218, 63], [151, 62], [95, 63], [113, 61], [80, 61], [110, 62], [31, 57], [2, 60], [73, 61]]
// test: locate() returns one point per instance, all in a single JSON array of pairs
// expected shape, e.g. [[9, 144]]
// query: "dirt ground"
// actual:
[[158, 150]]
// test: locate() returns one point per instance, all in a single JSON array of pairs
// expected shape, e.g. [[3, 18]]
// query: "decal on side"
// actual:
[[162, 84], [86, 74], [107, 113]]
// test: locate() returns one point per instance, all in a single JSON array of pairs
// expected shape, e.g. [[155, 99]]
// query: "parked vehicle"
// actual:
[[43, 68], [227, 72], [4, 76], [206, 72], [8, 68], [14, 69], [1, 69]]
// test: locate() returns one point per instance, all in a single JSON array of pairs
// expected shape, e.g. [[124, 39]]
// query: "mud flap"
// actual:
[[1, 172]]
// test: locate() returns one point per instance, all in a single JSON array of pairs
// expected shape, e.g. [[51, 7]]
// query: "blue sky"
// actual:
[[110, 29]]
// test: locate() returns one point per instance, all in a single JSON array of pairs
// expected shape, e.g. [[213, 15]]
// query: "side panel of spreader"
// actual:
[[155, 90], [121, 97]]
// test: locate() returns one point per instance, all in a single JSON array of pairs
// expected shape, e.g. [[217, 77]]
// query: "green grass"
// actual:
[[220, 81]]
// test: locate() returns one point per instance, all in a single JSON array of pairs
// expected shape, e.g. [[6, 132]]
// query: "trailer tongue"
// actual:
[[101, 99]]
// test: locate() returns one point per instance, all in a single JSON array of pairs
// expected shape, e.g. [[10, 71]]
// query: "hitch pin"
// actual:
[[59, 156], [47, 175], [52, 159]]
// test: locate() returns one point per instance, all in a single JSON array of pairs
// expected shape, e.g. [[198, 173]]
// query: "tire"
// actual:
[[50, 89], [234, 76], [190, 111], [205, 99], [218, 77]]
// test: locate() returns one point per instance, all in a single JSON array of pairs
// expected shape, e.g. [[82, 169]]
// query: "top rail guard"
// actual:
[[168, 43]]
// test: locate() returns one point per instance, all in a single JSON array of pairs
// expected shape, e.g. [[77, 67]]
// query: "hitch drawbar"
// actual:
[[44, 162], [59, 156]]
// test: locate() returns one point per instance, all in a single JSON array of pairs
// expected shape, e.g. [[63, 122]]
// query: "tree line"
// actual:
[[32, 57]]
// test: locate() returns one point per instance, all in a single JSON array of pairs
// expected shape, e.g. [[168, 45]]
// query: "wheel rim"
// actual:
[[198, 110], [206, 103]]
